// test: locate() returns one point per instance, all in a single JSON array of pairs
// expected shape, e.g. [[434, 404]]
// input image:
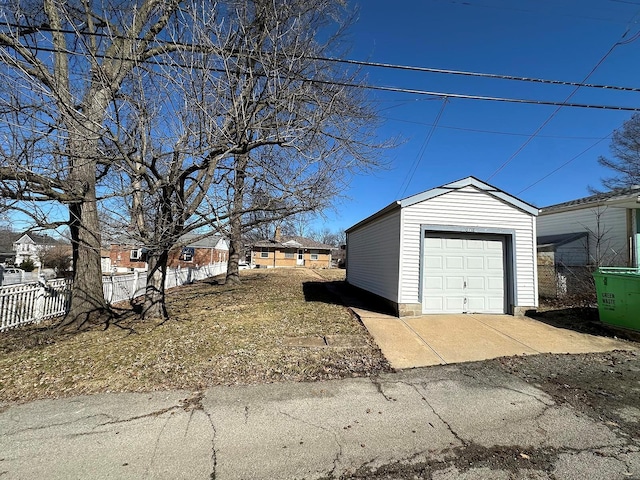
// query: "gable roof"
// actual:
[[449, 187], [619, 195], [293, 241], [195, 240]]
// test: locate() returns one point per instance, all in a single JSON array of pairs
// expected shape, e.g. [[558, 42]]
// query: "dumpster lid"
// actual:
[[618, 271]]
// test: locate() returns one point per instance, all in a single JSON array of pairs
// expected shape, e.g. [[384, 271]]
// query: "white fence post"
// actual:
[[39, 306]]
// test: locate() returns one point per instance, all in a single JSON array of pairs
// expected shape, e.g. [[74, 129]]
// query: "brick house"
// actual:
[[195, 251], [290, 251]]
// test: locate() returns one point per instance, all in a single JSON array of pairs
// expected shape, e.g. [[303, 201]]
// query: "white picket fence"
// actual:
[[34, 302]]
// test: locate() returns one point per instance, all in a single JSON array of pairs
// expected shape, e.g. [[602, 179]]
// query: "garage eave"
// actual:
[[380, 213]]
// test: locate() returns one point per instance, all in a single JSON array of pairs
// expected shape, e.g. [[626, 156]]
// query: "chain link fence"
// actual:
[[562, 281]]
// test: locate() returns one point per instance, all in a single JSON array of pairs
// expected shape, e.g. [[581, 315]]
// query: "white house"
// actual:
[[30, 246], [611, 222], [463, 247]]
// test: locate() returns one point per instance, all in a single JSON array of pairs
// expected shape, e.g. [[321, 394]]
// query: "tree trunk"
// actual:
[[87, 297], [235, 249], [235, 234], [153, 307]]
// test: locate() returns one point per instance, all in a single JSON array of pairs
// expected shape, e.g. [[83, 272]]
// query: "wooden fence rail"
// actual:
[[34, 302]]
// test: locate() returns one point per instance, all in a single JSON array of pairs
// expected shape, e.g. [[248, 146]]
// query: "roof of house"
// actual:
[[617, 195], [449, 187], [8, 238], [551, 242], [293, 241], [196, 240]]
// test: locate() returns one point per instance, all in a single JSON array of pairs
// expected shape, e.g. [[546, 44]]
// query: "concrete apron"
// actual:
[[441, 339]]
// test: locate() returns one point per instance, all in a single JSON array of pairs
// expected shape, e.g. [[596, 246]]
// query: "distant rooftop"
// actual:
[[598, 198]]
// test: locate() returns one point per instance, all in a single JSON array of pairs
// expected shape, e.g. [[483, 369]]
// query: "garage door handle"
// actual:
[[465, 284]]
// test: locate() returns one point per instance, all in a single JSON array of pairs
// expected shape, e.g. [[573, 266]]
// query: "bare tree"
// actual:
[[260, 129], [63, 66], [176, 115], [625, 156]]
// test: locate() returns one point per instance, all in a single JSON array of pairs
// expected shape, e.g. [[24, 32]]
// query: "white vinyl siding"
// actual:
[[606, 224], [372, 256], [468, 207]]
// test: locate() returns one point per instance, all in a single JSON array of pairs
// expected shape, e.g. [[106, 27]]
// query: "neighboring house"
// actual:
[[193, 250], [463, 247], [578, 236], [610, 220], [290, 251], [29, 246]]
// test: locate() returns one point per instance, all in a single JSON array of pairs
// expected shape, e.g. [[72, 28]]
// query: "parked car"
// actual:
[[243, 266], [10, 271], [11, 275]]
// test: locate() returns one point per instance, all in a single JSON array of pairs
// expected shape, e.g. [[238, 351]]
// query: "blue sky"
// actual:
[[531, 38]]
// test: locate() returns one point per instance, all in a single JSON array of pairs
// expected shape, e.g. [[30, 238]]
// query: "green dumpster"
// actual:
[[618, 291]]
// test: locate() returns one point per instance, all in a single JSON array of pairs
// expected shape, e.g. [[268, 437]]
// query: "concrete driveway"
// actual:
[[441, 339]]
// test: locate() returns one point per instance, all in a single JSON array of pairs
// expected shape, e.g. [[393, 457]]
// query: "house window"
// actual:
[[264, 253], [314, 254], [289, 253], [187, 254], [135, 254]]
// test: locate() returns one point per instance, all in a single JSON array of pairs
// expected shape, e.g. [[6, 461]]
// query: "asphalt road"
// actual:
[[499, 419]]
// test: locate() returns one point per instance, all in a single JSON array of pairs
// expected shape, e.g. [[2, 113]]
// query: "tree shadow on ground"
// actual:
[[582, 320], [341, 293]]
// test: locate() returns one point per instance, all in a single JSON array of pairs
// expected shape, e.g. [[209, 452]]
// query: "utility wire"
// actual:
[[491, 132], [563, 165], [361, 63], [575, 90], [383, 88], [423, 149], [473, 74]]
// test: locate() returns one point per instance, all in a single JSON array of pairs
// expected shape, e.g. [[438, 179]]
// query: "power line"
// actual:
[[361, 63], [492, 132], [474, 74], [575, 90], [563, 165], [423, 149], [382, 88]]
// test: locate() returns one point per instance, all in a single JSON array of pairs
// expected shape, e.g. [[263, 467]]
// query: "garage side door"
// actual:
[[463, 274]]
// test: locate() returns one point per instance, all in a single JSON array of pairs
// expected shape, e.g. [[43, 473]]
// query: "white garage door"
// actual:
[[463, 274]]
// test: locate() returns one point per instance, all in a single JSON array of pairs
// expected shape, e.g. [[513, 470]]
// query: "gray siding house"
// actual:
[[463, 247], [611, 222]]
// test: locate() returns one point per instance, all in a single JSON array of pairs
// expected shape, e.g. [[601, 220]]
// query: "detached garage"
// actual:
[[464, 247]]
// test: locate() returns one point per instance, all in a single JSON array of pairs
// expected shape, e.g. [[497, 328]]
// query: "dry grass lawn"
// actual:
[[218, 334]]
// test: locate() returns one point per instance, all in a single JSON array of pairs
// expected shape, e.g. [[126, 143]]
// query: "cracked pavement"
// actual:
[[466, 421]]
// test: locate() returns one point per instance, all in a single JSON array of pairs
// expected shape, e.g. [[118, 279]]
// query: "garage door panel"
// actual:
[[464, 274], [454, 283], [434, 304], [494, 263], [476, 263], [454, 263], [477, 304], [476, 283], [454, 243], [454, 303], [434, 283], [474, 244], [433, 262]]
